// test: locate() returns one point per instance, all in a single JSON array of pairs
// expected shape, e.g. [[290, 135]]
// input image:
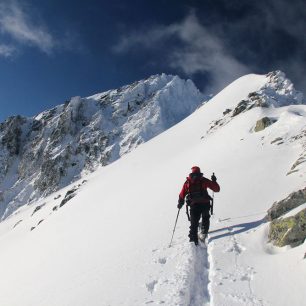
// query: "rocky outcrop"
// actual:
[[289, 231], [254, 100], [280, 208], [241, 107], [301, 136], [263, 123], [69, 195], [298, 162]]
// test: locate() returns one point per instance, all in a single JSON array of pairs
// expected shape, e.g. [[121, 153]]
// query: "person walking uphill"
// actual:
[[198, 199]]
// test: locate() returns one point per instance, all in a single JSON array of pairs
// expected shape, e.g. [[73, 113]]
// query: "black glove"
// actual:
[[180, 203], [213, 178]]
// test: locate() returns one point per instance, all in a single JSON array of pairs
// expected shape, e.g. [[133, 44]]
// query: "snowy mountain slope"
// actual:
[[42, 154], [108, 245]]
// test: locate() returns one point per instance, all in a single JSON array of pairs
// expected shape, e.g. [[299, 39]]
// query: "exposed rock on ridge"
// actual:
[[293, 200], [289, 231]]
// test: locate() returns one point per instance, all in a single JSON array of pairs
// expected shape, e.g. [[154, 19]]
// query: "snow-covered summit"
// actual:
[[41, 154], [272, 90], [279, 90], [168, 100]]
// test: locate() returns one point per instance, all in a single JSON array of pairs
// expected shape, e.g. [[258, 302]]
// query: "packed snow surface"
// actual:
[[109, 244]]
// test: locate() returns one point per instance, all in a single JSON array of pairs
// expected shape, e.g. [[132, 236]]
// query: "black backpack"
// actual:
[[196, 193]]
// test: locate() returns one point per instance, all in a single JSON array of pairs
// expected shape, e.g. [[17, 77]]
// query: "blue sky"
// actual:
[[52, 50]]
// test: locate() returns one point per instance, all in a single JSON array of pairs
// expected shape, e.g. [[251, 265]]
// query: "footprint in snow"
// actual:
[[225, 277], [234, 249], [151, 285], [151, 302], [162, 260], [246, 277]]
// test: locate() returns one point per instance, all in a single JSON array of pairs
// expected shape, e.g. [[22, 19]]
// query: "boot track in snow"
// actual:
[[199, 272]]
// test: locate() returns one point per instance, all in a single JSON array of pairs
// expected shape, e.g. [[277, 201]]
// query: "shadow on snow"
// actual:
[[236, 229]]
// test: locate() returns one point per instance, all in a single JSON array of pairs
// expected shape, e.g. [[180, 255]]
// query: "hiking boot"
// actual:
[[202, 236], [196, 242]]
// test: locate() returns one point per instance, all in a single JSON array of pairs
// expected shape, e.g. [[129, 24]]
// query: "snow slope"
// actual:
[[108, 245]]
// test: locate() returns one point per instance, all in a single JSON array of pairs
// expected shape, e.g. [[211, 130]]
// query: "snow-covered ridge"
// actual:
[[41, 154], [275, 91]]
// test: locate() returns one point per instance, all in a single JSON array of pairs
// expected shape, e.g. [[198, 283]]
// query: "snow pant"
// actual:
[[196, 212]]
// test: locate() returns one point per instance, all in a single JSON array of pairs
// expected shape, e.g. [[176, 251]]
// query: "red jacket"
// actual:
[[206, 183]]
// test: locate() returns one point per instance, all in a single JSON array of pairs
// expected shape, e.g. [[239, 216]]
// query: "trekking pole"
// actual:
[[187, 212], [174, 226], [212, 204]]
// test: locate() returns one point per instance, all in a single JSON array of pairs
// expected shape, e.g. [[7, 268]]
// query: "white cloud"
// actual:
[[145, 38], [205, 52], [199, 50], [18, 25], [6, 51]]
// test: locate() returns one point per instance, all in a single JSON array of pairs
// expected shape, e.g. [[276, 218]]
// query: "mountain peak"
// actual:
[[42, 154], [272, 90], [275, 91], [281, 90]]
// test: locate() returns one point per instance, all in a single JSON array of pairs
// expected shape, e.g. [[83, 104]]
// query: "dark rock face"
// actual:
[[11, 131], [289, 231], [280, 208]]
